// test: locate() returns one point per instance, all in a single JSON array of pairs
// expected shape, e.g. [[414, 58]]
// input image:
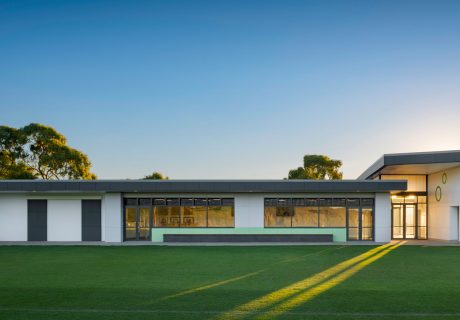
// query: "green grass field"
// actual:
[[267, 282]]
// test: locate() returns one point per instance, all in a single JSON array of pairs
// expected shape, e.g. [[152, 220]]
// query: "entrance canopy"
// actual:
[[412, 163]]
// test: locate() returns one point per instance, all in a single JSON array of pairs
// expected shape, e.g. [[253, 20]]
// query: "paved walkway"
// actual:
[[148, 243]]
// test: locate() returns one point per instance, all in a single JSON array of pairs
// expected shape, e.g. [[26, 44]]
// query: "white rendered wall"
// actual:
[[112, 218], [442, 216], [64, 220], [13, 218], [382, 217], [249, 211]]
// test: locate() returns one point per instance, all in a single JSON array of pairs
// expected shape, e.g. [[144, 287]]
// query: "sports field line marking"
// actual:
[[213, 312]]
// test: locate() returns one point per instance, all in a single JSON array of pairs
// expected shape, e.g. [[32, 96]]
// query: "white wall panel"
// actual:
[[13, 218], [112, 218], [382, 218], [442, 220], [64, 220], [249, 211]]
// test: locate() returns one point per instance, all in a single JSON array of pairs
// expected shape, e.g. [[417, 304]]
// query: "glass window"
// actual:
[[228, 202], [284, 202], [278, 216], [201, 202], [221, 217], [305, 217], [193, 217], [145, 202], [421, 221], [159, 202], [311, 202], [130, 223], [353, 203], [215, 202], [166, 216], [367, 223], [298, 202], [130, 202], [353, 223], [172, 202], [332, 217], [186, 202], [367, 202], [144, 223]]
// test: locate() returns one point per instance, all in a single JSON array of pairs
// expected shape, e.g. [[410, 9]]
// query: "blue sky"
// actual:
[[233, 89]]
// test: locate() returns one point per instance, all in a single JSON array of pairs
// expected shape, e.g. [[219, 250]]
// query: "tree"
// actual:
[[156, 176], [317, 167], [39, 151]]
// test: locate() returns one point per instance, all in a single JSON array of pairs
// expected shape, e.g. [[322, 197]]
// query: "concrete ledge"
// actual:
[[248, 238]]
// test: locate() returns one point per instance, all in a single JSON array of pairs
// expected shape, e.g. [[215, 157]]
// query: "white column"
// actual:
[[382, 217], [112, 218], [249, 211]]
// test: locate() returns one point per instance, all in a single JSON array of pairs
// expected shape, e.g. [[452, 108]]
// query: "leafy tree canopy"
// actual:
[[38, 151], [156, 176], [317, 167]]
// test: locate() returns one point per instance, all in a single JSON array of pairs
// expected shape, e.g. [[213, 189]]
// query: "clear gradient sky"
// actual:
[[233, 89]]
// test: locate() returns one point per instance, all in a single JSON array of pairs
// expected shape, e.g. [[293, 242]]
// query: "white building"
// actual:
[[401, 196]]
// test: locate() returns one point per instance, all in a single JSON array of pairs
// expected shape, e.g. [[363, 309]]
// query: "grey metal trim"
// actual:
[[248, 238], [410, 158], [204, 186]]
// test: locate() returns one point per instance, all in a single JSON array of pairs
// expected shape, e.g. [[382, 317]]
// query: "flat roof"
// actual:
[[203, 186], [412, 163]]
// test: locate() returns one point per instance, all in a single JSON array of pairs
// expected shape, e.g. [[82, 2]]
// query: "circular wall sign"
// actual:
[[438, 193], [444, 178]]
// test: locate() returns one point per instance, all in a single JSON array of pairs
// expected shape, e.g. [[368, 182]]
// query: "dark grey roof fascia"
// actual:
[[410, 158], [203, 186]]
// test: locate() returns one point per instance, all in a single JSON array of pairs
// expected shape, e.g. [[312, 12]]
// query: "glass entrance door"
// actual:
[[137, 223], [360, 224], [410, 221], [404, 221]]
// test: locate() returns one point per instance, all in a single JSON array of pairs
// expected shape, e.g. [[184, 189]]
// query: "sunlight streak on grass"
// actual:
[[223, 282], [311, 293], [275, 297]]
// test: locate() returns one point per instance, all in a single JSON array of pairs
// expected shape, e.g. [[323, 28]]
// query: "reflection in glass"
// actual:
[[305, 217], [332, 216], [221, 217], [277, 216], [410, 221], [353, 223], [366, 224], [193, 217], [421, 216], [166, 217], [130, 224], [144, 223], [398, 222]]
